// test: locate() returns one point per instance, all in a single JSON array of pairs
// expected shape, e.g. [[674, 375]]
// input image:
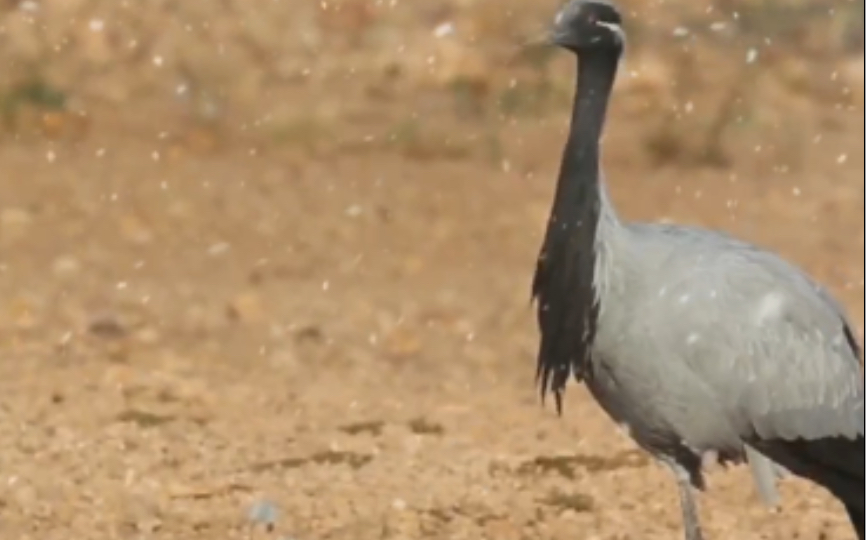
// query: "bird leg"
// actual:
[[691, 520]]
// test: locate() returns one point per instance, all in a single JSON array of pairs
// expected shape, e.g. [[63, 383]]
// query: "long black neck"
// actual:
[[579, 175], [564, 285]]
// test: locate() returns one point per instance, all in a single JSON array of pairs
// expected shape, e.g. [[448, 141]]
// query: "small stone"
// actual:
[[264, 514], [107, 326]]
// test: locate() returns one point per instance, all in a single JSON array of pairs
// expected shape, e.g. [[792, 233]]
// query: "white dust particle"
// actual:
[[444, 30], [218, 249]]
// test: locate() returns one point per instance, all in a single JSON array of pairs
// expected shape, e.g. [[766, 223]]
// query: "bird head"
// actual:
[[588, 25]]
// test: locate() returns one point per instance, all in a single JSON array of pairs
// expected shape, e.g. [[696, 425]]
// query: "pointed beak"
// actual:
[[539, 45], [546, 38]]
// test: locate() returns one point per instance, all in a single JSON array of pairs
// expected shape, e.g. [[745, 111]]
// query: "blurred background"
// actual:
[[265, 264]]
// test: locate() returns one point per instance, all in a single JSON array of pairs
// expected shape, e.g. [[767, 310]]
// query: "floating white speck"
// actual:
[[752, 56], [218, 249], [97, 25], [444, 30]]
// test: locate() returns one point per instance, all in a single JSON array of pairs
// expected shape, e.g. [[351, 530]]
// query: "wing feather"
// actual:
[[774, 348]]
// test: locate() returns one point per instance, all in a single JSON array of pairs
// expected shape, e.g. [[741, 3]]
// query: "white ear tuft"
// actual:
[[614, 28]]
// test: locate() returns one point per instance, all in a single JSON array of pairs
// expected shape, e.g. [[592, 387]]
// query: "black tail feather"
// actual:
[[835, 464], [856, 516]]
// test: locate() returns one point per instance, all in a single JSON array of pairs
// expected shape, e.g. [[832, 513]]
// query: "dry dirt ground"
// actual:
[[207, 335]]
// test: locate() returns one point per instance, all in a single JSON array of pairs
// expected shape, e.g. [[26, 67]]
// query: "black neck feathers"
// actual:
[[564, 284]]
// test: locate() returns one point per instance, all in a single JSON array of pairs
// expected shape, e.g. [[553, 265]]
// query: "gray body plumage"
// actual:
[[706, 344]]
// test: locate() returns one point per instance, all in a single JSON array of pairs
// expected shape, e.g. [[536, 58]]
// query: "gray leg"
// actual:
[[691, 520]]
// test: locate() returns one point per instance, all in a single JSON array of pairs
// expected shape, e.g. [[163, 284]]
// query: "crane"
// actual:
[[697, 343]]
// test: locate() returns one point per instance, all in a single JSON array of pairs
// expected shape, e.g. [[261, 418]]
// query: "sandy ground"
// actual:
[[201, 336]]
